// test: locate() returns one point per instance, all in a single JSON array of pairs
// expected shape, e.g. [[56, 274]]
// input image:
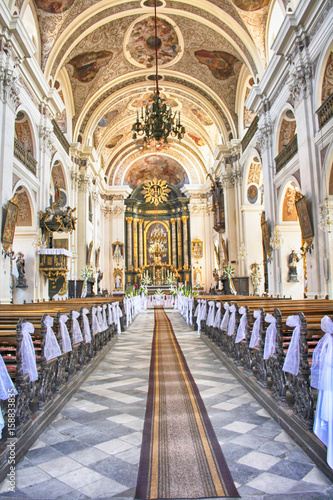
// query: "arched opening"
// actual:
[[24, 265], [286, 143], [292, 269]]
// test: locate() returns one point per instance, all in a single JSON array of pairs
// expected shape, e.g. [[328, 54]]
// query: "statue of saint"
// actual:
[[293, 260], [21, 281]]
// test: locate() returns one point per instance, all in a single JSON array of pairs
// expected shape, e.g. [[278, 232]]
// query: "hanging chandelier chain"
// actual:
[[156, 51], [157, 121]]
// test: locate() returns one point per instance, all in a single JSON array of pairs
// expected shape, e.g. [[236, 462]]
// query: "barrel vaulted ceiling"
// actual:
[[100, 57]]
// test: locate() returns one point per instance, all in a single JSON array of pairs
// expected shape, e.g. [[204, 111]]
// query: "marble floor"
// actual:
[[92, 448]]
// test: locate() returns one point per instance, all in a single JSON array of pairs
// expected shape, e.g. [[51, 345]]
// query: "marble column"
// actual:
[[129, 221], [174, 242], [135, 243], [180, 248], [185, 240], [140, 221]]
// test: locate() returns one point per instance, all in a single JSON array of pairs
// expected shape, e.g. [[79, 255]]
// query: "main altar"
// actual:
[[157, 234]]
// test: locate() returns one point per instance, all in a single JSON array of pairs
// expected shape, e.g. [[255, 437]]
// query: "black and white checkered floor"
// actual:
[[92, 448]]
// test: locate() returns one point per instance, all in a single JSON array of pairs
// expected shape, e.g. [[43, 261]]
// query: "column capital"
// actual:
[[129, 220], [173, 221], [140, 222], [184, 218]]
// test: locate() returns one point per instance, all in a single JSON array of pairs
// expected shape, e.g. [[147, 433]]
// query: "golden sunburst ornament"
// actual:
[[156, 191]]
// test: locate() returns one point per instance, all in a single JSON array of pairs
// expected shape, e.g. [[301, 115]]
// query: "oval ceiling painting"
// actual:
[[141, 43], [159, 166], [54, 7]]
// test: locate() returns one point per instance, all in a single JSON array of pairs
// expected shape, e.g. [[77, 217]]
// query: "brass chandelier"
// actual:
[[157, 121]]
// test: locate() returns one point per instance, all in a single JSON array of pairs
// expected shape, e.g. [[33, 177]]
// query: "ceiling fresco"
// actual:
[[141, 43], [220, 64], [160, 166], [103, 54]]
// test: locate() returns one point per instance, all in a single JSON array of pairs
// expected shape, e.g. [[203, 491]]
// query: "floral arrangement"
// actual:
[[87, 273], [170, 280], [145, 281], [159, 292], [143, 289], [228, 272]]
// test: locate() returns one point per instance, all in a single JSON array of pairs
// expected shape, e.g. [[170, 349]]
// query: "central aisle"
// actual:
[[92, 449]]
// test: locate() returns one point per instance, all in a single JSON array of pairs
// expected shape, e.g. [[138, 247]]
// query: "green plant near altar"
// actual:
[[143, 289], [228, 272], [159, 292], [87, 273]]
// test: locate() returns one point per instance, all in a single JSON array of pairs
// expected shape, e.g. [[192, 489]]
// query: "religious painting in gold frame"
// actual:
[[146, 241], [9, 224], [117, 279], [197, 249], [60, 243], [117, 250], [304, 218]]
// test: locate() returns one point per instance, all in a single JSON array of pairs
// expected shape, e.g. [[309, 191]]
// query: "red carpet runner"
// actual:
[[180, 456]]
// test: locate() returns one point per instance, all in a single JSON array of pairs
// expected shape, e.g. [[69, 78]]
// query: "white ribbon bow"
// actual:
[[211, 313], [105, 323], [254, 341], [322, 358], [217, 319], [232, 320], [86, 325], [7, 388], [225, 319], [291, 362], [241, 332], [94, 321], [77, 334], [66, 341], [269, 348], [110, 315], [28, 352], [51, 348]]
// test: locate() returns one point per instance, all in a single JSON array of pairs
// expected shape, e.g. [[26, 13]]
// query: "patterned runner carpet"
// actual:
[[180, 456]]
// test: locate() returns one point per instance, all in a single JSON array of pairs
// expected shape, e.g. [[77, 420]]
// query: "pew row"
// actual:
[[64, 347], [253, 338]]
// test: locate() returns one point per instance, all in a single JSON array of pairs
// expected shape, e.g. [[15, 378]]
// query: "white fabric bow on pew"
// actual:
[[77, 334], [117, 314], [241, 332], [217, 319], [322, 379], [189, 312], [225, 319], [28, 352], [254, 341], [96, 327], [7, 389], [232, 320], [291, 362], [66, 341], [86, 325], [100, 319], [110, 315], [269, 348], [51, 349], [105, 323], [211, 313]]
